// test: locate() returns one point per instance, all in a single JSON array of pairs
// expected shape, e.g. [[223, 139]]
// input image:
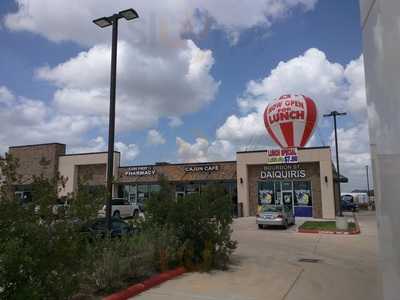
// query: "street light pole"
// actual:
[[111, 124], [128, 14], [334, 114], [367, 182]]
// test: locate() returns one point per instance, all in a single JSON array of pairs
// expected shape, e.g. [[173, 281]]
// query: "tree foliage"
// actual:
[[201, 222], [44, 255]]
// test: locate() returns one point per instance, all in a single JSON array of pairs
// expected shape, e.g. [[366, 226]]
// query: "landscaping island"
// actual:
[[327, 227]]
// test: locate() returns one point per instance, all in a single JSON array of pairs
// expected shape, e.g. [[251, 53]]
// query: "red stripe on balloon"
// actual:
[[287, 131], [268, 127], [310, 121]]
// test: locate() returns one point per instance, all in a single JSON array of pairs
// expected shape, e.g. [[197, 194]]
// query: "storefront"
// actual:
[[301, 178], [291, 185], [136, 183], [305, 182]]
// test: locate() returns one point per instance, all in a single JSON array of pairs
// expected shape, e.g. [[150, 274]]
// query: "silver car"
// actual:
[[275, 215]]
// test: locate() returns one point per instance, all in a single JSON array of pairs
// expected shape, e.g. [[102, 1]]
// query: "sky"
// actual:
[[193, 78]]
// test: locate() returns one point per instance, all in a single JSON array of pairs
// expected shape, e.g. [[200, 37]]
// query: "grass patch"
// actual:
[[324, 225]]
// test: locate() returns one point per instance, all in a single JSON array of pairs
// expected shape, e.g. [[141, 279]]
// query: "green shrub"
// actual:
[[201, 223], [41, 253]]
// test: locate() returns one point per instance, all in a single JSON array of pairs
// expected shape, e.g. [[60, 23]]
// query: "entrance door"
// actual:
[[287, 199]]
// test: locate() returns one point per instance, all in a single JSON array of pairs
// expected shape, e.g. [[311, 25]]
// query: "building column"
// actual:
[[381, 44]]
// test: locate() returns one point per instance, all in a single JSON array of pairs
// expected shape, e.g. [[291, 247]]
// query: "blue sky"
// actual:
[[49, 94]]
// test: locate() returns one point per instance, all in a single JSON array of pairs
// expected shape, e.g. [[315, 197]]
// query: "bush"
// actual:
[[43, 255], [201, 223]]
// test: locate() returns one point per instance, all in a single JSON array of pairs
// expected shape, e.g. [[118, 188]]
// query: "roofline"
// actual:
[[87, 153], [36, 145], [183, 164], [302, 148]]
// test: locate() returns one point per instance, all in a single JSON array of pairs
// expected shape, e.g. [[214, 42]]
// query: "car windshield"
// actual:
[[272, 208]]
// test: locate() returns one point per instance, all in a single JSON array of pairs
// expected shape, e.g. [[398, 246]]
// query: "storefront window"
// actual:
[[142, 192], [286, 185], [302, 193], [180, 188], [192, 188], [154, 188], [266, 193], [278, 194]]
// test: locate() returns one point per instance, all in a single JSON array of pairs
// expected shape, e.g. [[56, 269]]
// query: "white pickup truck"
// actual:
[[121, 208]]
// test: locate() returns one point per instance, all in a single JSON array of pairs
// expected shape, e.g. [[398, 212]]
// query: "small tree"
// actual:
[[201, 222], [41, 253]]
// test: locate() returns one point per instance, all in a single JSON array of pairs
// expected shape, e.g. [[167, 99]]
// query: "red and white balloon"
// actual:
[[290, 120]]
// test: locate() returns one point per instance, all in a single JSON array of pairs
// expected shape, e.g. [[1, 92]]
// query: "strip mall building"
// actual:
[[307, 183]]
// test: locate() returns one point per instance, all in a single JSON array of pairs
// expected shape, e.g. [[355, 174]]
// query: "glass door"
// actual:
[[287, 194], [287, 198]]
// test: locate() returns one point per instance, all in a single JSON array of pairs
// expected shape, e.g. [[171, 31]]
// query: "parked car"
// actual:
[[349, 206], [275, 215], [121, 208], [98, 228]]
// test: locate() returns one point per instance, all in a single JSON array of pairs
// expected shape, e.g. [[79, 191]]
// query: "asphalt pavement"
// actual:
[[286, 265]]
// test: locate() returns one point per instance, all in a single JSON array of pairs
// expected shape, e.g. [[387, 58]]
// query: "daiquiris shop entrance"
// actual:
[[286, 184], [305, 185]]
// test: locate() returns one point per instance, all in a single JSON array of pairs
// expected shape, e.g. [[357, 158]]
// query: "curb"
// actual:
[[145, 285], [356, 231]]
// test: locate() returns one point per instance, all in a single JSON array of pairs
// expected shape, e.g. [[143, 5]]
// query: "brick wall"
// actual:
[[92, 174], [37, 160]]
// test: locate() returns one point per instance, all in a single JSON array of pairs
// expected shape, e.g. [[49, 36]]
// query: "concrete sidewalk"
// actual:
[[267, 266]]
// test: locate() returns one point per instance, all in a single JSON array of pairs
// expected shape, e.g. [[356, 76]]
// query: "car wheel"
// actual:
[[260, 226], [117, 214]]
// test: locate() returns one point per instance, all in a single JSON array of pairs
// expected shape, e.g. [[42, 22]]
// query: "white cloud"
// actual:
[[6, 96], [160, 73], [155, 138], [354, 154], [356, 93], [196, 152], [174, 122], [27, 121], [240, 129], [311, 74], [159, 20], [201, 150], [148, 87], [128, 151], [330, 84]]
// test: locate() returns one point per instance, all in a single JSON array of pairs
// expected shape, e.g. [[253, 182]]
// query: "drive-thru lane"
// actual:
[[267, 266]]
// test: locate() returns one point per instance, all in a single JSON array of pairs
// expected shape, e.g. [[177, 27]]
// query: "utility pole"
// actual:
[[334, 114]]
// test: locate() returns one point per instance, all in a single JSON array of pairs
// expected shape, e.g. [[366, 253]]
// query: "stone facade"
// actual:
[[92, 174], [37, 160], [215, 171], [312, 172]]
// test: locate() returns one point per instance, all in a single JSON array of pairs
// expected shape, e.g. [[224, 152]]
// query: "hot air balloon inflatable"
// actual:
[[290, 120]]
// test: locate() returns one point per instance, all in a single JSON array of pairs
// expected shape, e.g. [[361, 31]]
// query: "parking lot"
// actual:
[[267, 265]]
